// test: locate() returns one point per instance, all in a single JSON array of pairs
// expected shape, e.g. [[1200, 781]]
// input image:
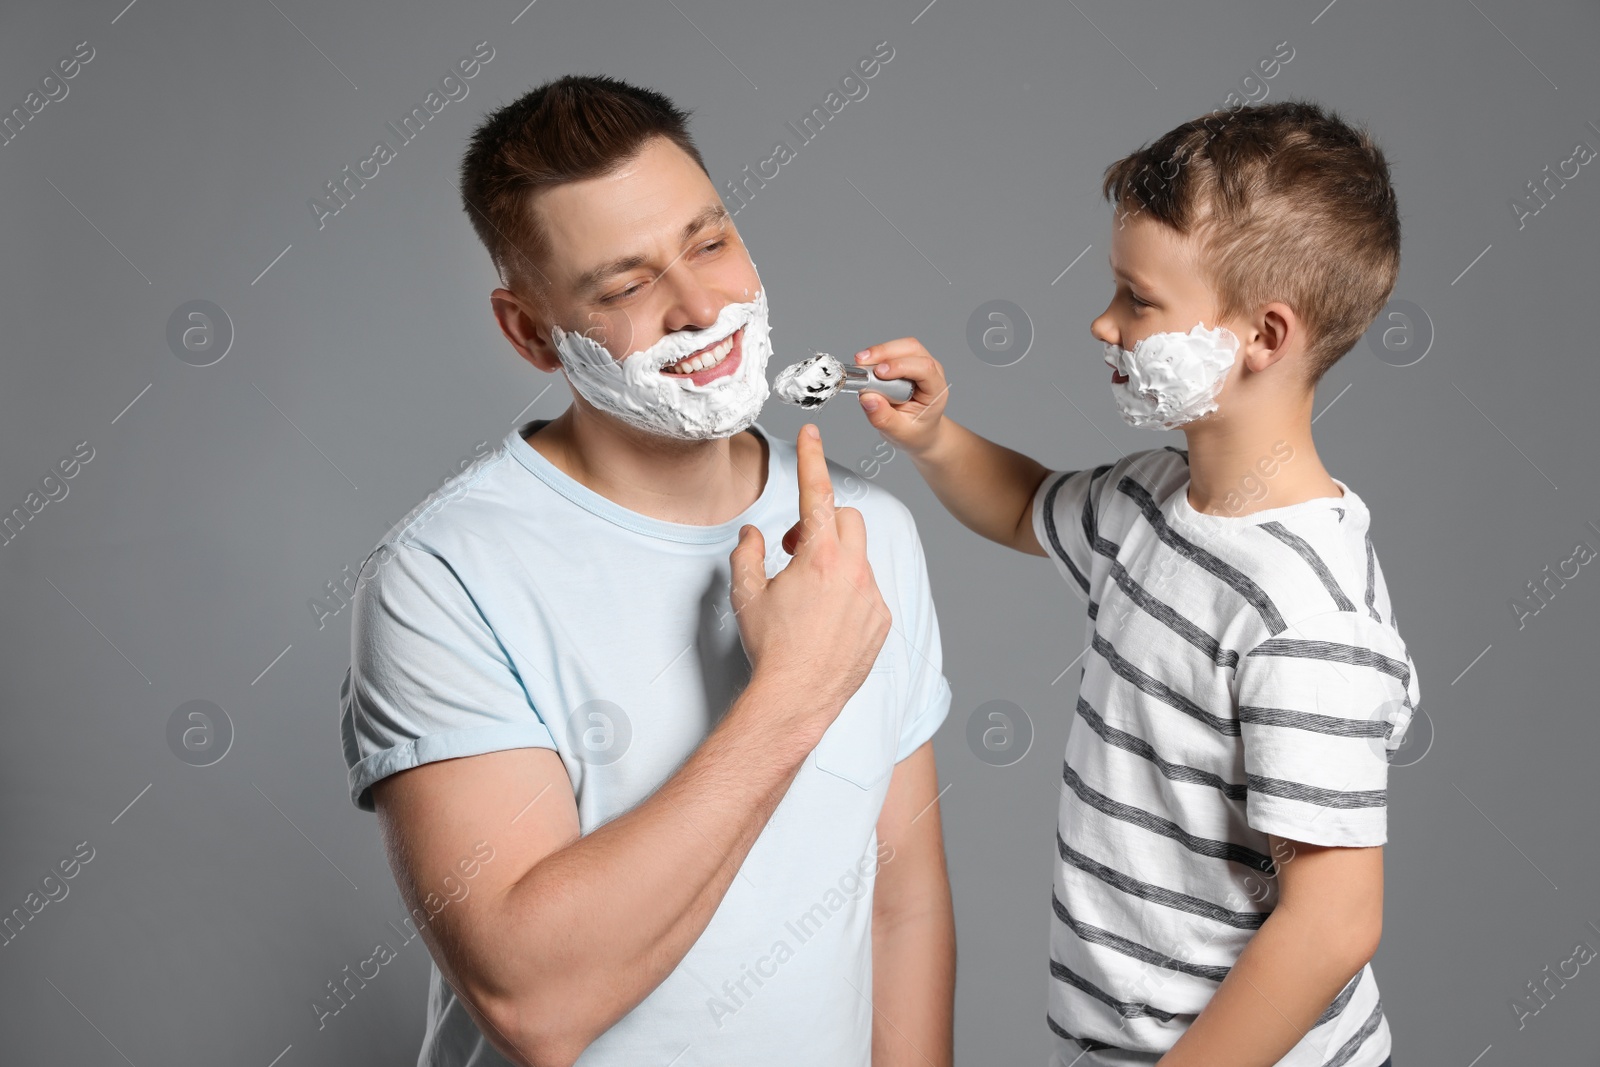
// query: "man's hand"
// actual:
[[818, 624], [913, 425]]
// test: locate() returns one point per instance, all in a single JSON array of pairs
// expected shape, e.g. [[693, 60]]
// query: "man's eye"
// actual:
[[714, 245], [629, 291]]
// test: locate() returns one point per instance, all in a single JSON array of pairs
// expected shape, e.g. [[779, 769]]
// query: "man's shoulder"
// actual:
[[464, 502]]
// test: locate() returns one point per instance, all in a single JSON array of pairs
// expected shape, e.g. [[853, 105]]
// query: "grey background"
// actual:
[[366, 365]]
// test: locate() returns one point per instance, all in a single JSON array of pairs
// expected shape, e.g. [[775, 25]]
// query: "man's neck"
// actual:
[[696, 483], [1239, 467]]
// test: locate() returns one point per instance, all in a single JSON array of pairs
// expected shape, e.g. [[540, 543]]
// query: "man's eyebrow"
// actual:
[[713, 213], [591, 279]]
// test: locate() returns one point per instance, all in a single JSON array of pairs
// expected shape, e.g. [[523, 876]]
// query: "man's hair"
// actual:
[[567, 130], [1286, 202]]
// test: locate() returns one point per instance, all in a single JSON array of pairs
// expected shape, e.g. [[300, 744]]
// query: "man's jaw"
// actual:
[[713, 361]]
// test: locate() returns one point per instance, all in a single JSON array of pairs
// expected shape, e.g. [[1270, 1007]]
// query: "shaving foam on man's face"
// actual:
[[1171, 378], [717, 394]]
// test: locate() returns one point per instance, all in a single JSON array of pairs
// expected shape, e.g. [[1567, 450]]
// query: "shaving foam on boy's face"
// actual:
[[637, 390], [1172, 378]]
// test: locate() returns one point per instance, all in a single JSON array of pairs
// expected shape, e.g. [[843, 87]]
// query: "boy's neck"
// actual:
[[1238, 467]]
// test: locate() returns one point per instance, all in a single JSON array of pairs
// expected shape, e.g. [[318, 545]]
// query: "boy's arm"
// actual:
[[1325, 928], [989, 487]]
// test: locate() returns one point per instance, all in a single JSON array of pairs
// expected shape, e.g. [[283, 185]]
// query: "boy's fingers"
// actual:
[[921, 370], [816, 489], [900, 346], [880, 412]]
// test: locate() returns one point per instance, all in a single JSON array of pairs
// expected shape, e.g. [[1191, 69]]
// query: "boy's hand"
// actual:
[[913, 425]]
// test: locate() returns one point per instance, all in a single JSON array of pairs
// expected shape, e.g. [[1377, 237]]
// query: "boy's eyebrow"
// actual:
[[1136, 280], [591, 279]]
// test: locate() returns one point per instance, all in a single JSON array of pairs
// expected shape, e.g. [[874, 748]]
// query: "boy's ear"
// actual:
[[1274, 332]]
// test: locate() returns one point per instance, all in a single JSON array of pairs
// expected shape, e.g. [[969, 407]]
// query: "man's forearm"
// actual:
[[913, 986], [1285, 978], [987, 486], [601, 922]]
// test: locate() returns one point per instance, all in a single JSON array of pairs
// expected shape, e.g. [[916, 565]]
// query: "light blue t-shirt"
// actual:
[[515, 607]]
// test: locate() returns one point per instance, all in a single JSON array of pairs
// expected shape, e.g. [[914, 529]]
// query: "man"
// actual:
[[658, 797]]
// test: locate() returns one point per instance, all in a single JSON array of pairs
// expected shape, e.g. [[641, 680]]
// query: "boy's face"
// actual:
[[1159, 287]]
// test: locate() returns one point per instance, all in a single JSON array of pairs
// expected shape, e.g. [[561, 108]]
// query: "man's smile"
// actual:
[[712, 362]]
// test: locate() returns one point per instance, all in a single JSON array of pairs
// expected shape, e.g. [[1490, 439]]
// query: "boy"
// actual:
[[1218, 888]]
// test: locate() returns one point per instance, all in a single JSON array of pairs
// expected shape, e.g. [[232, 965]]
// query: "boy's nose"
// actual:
[[1104, 330]]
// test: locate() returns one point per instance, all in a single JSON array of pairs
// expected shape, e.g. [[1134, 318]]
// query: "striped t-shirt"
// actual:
[[1244, 676]]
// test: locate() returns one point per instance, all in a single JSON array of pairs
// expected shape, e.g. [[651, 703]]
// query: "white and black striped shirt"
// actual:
[[1245, 677]]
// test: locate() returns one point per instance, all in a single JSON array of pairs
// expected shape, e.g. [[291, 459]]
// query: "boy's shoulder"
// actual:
[[1305, 560], [1139, 483]]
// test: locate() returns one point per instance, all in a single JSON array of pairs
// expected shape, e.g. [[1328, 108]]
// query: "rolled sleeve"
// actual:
[[928, 695], [428, 678], [1322, 707]]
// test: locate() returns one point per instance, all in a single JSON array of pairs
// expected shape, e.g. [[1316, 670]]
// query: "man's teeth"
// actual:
[[702, 362]]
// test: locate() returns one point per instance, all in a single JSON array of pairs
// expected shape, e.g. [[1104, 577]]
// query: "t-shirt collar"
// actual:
[[605, 508]]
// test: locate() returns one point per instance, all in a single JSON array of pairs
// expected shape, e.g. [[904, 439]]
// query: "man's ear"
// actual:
[[1274, 333], [524, 326]]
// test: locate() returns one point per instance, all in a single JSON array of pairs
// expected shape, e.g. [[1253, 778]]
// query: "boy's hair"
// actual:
[[566, 130], [1287, 202]]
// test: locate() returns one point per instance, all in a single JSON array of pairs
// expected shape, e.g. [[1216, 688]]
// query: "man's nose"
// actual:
[[694, 307]]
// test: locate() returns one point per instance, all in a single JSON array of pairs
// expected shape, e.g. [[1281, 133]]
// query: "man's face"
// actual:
[[643, 252]]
